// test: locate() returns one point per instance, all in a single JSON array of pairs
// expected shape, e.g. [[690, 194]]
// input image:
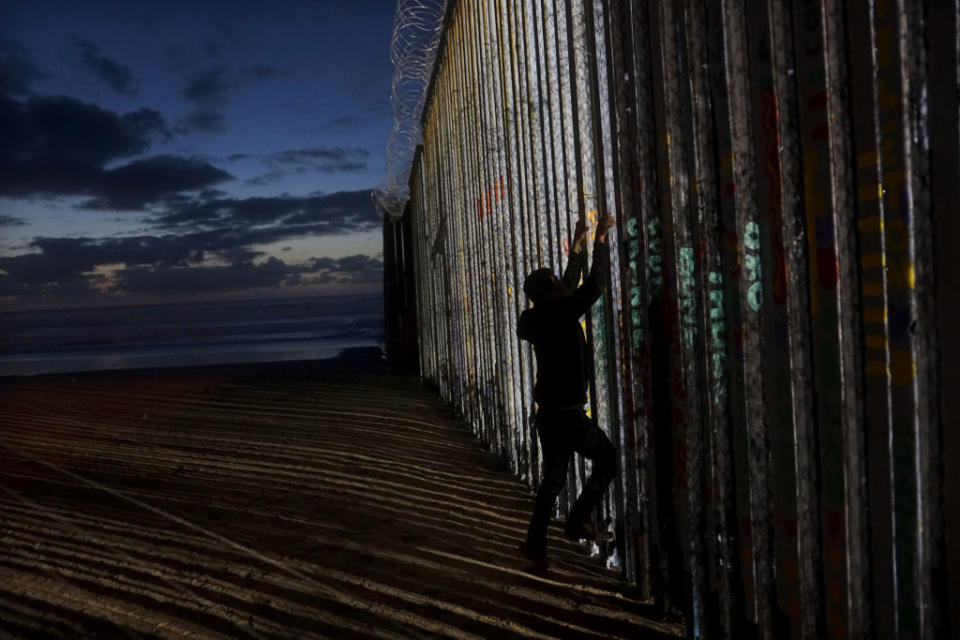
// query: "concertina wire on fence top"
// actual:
[[765, 356]]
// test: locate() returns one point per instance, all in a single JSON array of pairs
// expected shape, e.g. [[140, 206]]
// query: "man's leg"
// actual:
[[555, 461], [594, 445]]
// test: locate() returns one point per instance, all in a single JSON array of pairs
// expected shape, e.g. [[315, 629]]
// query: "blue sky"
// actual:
[[168, 150]]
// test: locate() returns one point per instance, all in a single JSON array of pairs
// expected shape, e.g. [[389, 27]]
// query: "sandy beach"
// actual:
[[290, 500]]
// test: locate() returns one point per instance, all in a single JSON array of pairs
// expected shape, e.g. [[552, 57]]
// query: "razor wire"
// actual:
[[417, 26]]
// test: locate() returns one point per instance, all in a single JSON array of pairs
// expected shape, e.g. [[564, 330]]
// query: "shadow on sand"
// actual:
[[301, 499]]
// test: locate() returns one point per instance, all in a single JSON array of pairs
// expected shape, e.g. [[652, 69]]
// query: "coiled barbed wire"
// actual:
[[417, 25]]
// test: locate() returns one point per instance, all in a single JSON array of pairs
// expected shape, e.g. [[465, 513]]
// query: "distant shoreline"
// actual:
[[350, 360]]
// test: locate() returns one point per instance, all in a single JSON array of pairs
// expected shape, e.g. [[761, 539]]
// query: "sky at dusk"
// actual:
[[155, 151]]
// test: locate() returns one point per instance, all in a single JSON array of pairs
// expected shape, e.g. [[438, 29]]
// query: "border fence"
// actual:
[[775, 355]]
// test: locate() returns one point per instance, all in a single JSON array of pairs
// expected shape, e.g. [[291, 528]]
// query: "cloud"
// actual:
[[11, 221], [215, 86], [204, 121], [316, 159], [354, 269], [261, 72], [194, 280], [324, 160], [166, 264], [53, 129], [343, 211], [359, 269], [71, 260], [209, 87], [346, 122], [135, 185], [223, 229], [179, 57], [17, 70], [265, 179], [117, 76], [59, 146]]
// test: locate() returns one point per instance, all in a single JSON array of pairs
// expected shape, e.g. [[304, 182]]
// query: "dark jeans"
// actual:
[[563, 431]]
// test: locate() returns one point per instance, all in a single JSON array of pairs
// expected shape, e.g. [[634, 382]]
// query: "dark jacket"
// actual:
[[553, 326]]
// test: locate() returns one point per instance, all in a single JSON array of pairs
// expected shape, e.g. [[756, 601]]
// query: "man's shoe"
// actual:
[[537, 556], [586, 531]]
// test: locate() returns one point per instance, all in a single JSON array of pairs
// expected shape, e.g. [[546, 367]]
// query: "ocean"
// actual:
[[187, 334]]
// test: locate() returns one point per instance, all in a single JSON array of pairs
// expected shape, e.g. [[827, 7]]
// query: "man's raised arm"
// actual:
[[592, 288], [571, 275]]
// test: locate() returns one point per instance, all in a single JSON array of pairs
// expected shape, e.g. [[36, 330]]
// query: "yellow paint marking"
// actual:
[[902, 275], [902, 367], [877, 342], [726, 166]]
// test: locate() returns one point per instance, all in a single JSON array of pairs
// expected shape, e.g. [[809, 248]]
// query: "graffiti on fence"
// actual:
[[538, 116]]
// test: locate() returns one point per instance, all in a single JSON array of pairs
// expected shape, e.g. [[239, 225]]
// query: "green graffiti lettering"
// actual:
[[717, 331], [719, 366], [755, 296], [751, 236], [688, 319], [752, 265]]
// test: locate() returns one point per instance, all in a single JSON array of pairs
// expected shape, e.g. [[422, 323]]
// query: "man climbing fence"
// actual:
[[552, 325]]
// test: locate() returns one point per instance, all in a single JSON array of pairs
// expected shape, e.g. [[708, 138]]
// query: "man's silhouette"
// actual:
[[553, 326]]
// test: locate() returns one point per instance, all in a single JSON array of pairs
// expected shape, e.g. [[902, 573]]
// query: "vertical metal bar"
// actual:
[[870, 230], [572, 168], [517, 203], [734, 113], [678, 311], [556, 100], [611, 303], [654, 494], [821, 142], [528, 183], [921, 328], [711, 334], [897, 259], [787, 303], [944, 76], [467, 239], [620, 53]]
